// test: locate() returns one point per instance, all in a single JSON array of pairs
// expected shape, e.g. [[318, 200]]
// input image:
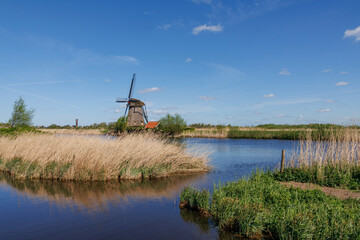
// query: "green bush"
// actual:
[[120, 126], [21, 117], [195, 199], [172, 124]]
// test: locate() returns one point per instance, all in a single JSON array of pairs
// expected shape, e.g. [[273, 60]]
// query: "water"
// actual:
[[128, 210]]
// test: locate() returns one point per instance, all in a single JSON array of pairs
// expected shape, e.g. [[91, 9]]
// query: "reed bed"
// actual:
[[132, 156], [333, 162], [260, 207], [74, 131]]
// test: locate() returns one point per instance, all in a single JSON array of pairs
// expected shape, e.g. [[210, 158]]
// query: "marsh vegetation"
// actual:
[[332, 163], [260, 207], [132, 156]]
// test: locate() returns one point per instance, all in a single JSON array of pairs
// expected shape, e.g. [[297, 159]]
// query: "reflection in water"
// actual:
[[131, 209], [202, 222], [96, 195]]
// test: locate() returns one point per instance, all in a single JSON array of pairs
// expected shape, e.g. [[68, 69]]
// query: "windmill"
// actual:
[[137, 115]]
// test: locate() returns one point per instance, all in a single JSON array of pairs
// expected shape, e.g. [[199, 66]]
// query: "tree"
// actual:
[[21, 117], [121, 125], [172, 124]]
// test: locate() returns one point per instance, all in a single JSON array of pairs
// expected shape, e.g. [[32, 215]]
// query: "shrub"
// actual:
[[21, 117], [121, 124], [172, 124]]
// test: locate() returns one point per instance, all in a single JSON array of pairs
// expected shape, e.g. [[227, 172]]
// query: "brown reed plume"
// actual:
[[96, 158]]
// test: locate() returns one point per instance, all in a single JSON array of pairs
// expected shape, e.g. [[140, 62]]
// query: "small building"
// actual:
[[152, 125]]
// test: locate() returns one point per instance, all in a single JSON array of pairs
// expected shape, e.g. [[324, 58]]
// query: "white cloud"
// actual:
[[38, 83], [327, 70], [168, 108], [329, 101], [353, 33], [324, 110], [202, 1], [206, 98], [284, 72], [164, 26], [88, 57], [227, 69], [344, 72], [342, 83], [188, 60], [81, 56], [158, 112], [300, 116], [287, 102], [107, 80], [280, 115], [269, 95], [209, 28], [153, 89], [128, 59], [46, 99]]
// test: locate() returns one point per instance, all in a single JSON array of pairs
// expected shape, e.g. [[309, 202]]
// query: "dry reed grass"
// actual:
[[333, 162], [95, 158], [342, 149], [73, 131]]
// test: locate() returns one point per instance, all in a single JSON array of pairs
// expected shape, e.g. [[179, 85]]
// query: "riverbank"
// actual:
[[331, 163], [286, 132], [133, 156], [246, 133], [261, 207], [74, 131]]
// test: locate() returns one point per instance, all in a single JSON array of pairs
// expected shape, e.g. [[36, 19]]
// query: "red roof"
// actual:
[[152, 124]]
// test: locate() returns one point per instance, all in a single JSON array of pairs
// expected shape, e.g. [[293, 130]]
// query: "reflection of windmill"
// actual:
[[137, 116]]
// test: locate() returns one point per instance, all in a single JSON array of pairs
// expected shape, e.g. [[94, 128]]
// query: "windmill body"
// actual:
[[136, 115], [136, 109]]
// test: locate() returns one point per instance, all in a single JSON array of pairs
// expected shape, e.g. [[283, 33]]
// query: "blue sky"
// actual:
[[213, 61]]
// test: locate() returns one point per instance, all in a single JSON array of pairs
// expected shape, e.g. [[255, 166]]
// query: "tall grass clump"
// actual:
[[96, 158], [333, 162], [260, 207]]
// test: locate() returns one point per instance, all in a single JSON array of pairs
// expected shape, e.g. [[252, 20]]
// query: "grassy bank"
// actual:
[[133, 156], [332, 163], [269, 131], [14, 131], [260, 207]]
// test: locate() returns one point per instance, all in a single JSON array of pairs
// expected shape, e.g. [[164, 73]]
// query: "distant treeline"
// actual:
[[303, 126], [274, 126], [102, 125], [204, 125]]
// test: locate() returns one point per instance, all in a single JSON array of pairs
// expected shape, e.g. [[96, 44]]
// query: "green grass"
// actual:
[[24, 169], [327, 175], [195, 199], [15, 131], [260, 207]]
